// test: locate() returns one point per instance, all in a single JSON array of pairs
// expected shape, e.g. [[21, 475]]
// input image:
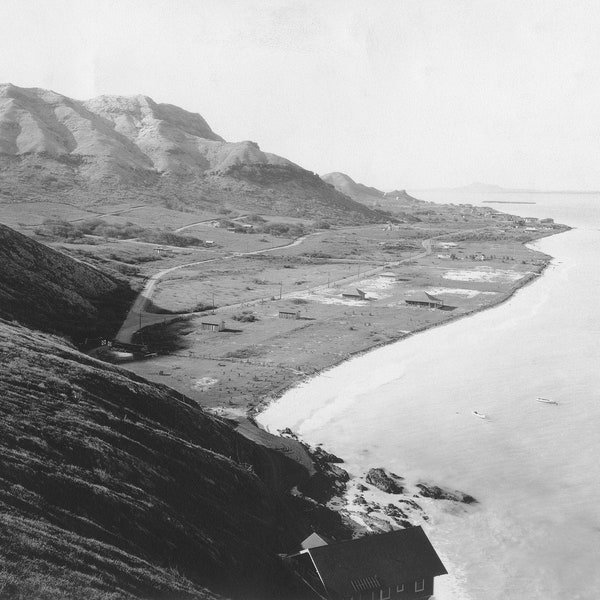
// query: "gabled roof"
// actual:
[[314, 540], [425, 297], [376, 561], [433, 298]]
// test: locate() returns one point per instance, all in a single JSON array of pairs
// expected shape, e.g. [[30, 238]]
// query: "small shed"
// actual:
[[209, 326], [285, 314], [425, 300], [398, 564], [360, 295]]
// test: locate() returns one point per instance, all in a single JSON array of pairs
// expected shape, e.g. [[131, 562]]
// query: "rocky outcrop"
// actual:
[[438, 493], [385, 481], [328, 481]]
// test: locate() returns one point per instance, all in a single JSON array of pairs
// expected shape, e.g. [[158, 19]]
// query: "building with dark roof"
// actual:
[[425, 300], [398, 565], [360, 295]]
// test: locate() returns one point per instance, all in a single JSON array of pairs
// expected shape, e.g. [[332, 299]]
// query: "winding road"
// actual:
[[138, 316]]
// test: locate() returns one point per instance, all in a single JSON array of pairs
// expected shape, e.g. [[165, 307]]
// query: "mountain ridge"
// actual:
[[111, 148]]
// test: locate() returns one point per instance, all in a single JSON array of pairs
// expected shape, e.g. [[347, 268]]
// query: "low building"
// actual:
[[285, 314], [360, 295], [208, 326], [400, 564], [425, 300]]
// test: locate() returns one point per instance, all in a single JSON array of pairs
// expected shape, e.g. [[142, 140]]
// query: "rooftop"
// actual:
[[376, 561]]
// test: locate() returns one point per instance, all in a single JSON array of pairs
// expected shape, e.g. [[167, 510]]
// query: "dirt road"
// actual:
[[138, 317]]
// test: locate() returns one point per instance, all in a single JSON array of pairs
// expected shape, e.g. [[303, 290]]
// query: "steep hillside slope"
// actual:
[[113, 487], [114, 148], [357, 191], [47, 290]]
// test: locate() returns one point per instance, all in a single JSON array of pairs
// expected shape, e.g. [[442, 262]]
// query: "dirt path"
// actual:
[[206, 221], [138, 317], [114, 212]]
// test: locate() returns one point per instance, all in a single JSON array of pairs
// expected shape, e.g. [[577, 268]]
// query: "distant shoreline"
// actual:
[[501, 191], [253, 411], [507, 202]]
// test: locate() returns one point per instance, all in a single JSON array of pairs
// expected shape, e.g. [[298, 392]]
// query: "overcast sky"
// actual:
[[397, 94]]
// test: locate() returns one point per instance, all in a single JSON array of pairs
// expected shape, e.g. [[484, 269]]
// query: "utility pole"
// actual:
[[213, 303], [280, 289]]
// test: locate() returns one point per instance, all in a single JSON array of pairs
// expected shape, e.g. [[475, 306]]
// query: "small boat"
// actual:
[[480, 415], [546, 400]]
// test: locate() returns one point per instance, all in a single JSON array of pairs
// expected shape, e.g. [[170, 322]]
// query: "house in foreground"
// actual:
[[398, 565]]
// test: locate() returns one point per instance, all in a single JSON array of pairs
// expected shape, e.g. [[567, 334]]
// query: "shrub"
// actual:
[[321, 224], [246, 316], [57, 228]]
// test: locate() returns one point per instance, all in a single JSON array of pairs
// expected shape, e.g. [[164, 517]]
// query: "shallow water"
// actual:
[[533, 466]]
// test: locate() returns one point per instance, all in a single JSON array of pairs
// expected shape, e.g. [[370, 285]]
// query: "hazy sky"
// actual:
[[397, 94]]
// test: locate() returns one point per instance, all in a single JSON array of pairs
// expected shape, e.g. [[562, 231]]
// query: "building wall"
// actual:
[[392, 593]]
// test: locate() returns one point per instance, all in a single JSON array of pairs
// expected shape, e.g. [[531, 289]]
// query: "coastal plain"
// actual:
[[463, 256]]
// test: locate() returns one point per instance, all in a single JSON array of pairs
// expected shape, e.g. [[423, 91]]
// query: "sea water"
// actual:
[[535, 468]]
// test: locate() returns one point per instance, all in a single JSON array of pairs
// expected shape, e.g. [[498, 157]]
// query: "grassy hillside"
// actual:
[[47, 290], [113, 487]]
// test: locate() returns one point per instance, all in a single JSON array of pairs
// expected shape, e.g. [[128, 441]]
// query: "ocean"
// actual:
[[534, 467]]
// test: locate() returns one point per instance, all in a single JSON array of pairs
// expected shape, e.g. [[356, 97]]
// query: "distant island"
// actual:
[[485, 188]]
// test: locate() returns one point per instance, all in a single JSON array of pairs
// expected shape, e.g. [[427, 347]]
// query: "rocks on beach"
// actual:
[[438, 493], [385, 481]]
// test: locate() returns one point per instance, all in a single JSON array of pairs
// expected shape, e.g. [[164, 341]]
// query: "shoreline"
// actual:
[[371, 509], [253, 411]]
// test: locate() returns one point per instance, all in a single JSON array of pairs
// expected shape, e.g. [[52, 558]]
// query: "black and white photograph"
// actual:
[[297, 300]]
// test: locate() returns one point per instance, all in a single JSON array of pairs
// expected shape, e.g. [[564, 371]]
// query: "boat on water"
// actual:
[[480, 415], [546, 400]]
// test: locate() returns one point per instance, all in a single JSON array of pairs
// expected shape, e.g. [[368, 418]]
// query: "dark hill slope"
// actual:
[[113, 487], [398, 202], [47, 290], [116, 149]]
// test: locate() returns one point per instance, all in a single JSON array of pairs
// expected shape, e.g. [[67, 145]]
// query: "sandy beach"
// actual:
[[260, 355], [532, 470]]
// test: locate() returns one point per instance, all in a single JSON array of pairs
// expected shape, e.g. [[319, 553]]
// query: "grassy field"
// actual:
[[473, 260], [254, 360]]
